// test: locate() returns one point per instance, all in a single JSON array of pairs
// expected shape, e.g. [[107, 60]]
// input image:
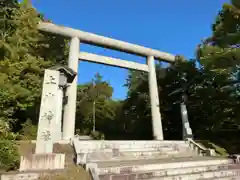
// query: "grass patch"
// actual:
[[71, 171], [208, 144]]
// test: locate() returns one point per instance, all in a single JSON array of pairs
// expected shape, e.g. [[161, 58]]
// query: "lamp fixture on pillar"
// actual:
[[67, 76]]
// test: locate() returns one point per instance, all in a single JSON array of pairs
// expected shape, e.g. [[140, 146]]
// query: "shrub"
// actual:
[[97, 135], [28, 131], [9, 158], [208, 144]]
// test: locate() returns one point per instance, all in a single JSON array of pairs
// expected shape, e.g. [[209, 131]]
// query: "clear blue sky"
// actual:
[[174, 26]]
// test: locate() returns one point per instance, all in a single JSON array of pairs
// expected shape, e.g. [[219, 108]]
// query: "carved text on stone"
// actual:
[[51, 80], [46, 135]]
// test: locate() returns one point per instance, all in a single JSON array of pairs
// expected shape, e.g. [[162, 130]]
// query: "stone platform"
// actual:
[[167, 160]]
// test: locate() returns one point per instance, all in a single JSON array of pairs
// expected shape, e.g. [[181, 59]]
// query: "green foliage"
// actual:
[[28, 131], [213, 89], [236, 3], [6, 131], [219, 150], [23, 60], [94, 101], [219, 56], [97, 135], [220, 52], [9, 159], [136, 116]]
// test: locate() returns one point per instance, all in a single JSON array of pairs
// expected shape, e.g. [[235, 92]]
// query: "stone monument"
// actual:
[[50, 122], [187, 131], [48, 112]]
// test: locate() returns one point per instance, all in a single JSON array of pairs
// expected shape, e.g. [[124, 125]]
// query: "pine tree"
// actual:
[[221, 51]]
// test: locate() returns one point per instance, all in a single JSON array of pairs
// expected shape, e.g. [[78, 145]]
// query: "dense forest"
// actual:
[[212, 81]]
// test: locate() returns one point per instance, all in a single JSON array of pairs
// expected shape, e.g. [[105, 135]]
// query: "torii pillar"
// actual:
[[69, 116], [154, 100]]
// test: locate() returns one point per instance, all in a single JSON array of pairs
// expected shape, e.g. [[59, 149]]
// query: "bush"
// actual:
[[94, 134], [97, 135], [208, 144], [9, 158], [28, 131]]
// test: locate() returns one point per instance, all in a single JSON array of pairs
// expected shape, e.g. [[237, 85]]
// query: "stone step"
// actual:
[[163, 149], [216, 175], [109, 156], [82, 146], [169, 169], [237, 177], [184, 161], [176, 172], [139, 149], [156, 164], [204, 172]]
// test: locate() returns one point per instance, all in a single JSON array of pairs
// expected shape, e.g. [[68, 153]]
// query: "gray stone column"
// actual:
[[58, 128], [186, 129], [154, 100], [70, 107]]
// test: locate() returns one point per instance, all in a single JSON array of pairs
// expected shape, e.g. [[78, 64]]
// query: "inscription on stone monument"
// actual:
[[50, 79], [48, 111], [47, 116], [46, 136]]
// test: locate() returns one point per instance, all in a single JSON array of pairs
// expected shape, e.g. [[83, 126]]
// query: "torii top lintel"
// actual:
[[106, 42]]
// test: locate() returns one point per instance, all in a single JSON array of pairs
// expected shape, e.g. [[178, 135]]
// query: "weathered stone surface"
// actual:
[[146, 175], [182, 168], [20, 176], [120, 177], [105, 177], [89, 146], [115, 152], [39, 162], [48, 112], [135, 160], [132, 177]]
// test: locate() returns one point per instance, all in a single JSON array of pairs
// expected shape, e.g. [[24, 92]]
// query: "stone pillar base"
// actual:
[[20, 176], [39, 162]]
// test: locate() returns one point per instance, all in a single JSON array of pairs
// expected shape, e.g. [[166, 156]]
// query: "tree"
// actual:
[[93, 101], [23, 60], [213, 89], [136, 116], [219, 56]]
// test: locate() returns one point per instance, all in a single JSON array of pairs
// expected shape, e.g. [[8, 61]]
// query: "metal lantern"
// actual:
[[67, 75]]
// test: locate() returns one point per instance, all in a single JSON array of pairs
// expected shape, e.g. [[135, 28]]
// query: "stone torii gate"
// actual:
[[78, 37]]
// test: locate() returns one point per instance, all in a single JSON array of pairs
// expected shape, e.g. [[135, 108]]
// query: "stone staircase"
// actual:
[[153, 160]]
